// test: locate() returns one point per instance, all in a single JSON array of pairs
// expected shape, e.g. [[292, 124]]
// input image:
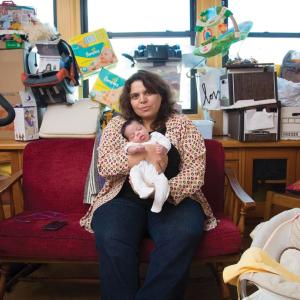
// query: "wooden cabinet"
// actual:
[[263, 166], [11, 152]]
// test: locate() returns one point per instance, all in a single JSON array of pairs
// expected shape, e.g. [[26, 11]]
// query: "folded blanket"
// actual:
[[257, 260], [94, 182]]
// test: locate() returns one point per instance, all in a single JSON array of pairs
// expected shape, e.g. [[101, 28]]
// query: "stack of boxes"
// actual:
[[11, 67], [249, 96], [12, 88]]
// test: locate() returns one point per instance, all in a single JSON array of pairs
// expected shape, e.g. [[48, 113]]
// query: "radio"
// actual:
[[157, 53], [255, 83]]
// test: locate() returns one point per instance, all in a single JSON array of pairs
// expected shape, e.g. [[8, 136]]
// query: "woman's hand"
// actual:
[[157, 155]]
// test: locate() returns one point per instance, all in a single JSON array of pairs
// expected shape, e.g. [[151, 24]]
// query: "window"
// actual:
[[136, 23], [274, 30]]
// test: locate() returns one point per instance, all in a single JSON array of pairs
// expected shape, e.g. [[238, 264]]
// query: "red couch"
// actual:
[[54, 174]]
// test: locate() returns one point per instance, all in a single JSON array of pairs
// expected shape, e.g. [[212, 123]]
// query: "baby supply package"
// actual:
[[93, 51], [107, 89]]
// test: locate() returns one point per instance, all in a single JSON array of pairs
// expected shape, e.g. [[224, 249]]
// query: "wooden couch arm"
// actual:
[[6, 184], [9, 181], [237, 201]]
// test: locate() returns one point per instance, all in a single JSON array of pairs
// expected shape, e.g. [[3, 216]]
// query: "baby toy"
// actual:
[[214, 37], [36, 31]]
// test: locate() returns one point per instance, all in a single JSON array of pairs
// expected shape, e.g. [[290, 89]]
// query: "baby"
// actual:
[[144, 178]]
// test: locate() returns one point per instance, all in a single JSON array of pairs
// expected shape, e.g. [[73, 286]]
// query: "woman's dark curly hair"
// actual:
[[154, 84]]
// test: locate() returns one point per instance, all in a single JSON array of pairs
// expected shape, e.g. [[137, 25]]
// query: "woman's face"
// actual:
[[145, 104]]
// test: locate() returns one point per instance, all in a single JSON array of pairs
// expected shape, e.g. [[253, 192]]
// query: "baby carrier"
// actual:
[[56, 84], [272, 263]]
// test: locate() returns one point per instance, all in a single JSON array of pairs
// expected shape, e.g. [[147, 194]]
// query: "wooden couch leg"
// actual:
[[224, 287], [4, 269]]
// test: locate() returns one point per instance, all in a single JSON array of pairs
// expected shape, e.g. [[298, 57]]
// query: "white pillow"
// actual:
[[76, 120]]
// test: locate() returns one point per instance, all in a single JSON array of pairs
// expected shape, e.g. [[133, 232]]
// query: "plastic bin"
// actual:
[[205, 127]]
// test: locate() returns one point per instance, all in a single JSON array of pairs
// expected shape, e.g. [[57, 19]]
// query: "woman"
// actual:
[[120, 219]]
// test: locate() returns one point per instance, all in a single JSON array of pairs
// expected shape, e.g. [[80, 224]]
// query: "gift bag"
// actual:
[[13, 17]]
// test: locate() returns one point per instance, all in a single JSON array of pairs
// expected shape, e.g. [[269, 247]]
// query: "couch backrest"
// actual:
[[55, 172], [213, 187]]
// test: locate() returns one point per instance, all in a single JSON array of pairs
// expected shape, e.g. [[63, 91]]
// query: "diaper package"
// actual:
[[93, 51], [107, 89]]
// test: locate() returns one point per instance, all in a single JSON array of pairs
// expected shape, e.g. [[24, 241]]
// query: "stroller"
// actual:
[[270, 268]]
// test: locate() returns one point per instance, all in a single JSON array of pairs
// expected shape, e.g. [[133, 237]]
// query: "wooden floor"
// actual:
[[202, 285]]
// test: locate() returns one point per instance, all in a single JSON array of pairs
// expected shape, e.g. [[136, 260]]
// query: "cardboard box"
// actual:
[[26, 123], [290, 123], [205, 127], [27, 98], [7, 130], [11, 44], [13, 99], [11, 68]]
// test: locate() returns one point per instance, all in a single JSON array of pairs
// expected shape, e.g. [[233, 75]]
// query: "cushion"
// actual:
[[294, 188], [213, 188], [61, 187], [28, 240], [76, 120], [73, 243]]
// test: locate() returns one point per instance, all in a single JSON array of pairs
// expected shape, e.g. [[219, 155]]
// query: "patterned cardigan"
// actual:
[[113, 166]]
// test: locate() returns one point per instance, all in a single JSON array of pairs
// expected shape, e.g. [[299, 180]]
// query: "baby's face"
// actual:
[[137, 133]]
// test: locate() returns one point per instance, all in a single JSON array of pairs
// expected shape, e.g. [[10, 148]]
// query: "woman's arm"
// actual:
[[112, 157], [192, 169]]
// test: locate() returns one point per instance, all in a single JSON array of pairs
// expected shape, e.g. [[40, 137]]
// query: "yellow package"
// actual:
[[107, 89], [92, 51]]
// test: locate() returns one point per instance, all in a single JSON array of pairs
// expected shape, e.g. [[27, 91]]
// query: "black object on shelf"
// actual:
[[10, 112]]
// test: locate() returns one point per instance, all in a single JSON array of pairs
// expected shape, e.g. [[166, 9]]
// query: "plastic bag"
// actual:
[[288, 92]]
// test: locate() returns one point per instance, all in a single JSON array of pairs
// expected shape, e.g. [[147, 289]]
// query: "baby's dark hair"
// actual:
[[127, 123]]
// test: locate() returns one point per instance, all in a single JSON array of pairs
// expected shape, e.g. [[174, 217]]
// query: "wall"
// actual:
[[68, 18]]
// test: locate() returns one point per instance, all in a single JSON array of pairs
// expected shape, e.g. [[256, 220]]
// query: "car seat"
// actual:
[[280, 239]]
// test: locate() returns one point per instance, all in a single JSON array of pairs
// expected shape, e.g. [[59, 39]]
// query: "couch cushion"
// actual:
[[19, 239], [72, 243], [214, 178], [54, 174]]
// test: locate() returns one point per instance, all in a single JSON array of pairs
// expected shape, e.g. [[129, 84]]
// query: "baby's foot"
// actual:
[[145, 192]]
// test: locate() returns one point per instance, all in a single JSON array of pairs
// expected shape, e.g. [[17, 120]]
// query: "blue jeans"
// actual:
[[121, 224]]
